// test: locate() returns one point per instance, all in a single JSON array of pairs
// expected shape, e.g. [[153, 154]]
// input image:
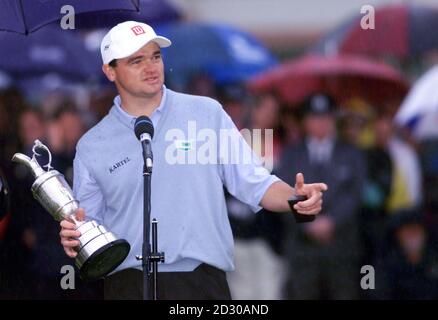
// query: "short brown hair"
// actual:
[[113, 63]]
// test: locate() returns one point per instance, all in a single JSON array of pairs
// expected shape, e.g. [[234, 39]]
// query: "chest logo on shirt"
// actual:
[[119, 164], [184, 144]]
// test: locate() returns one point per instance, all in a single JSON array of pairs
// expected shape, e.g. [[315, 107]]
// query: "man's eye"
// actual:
[[136, 61], [157, 57]]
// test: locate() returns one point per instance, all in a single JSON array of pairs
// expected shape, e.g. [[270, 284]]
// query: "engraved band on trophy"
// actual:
[[99, 251]]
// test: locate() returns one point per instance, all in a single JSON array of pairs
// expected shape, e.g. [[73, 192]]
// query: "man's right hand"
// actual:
[[69, 234]]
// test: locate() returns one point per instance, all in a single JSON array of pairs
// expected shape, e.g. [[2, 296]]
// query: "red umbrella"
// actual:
[[400, 31], [341, 76]]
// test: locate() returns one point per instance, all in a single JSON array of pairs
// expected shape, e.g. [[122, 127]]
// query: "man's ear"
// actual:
[[109, 72]]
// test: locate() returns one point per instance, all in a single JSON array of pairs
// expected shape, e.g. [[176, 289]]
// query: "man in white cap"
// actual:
[[187, 199]]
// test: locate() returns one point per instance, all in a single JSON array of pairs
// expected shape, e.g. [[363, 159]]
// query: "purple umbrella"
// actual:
[[26, 16], [51, 50], [151, 11]]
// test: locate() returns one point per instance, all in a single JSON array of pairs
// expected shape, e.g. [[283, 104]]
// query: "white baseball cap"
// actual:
[[127, 38]]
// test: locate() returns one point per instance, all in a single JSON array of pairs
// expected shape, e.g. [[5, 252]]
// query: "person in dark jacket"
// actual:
[[409, 269], [323, 255]]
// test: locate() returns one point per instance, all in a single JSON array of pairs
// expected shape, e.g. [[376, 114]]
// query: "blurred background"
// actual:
[[349, 87]]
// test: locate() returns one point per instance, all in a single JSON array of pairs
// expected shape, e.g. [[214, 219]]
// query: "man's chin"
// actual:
[[153, 92]]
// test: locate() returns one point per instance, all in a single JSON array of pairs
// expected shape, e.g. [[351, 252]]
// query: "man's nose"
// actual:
[[148, 66]]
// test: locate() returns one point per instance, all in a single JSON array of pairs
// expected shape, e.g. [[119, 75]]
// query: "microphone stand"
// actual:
[[149, 258], [155, 257]]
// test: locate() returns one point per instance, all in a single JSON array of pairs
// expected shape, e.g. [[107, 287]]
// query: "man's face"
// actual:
[[319, 126], [140, 75], [31, 127], [411, 237], [73, 129], [265, 115]]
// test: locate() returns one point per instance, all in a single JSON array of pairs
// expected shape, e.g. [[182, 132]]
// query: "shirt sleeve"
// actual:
[[241, 170], [87, 191]]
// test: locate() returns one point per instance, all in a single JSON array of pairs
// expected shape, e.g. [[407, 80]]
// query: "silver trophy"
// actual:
[[99, 251]]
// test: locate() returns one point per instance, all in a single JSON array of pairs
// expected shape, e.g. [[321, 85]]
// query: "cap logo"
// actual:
[[137, 30]]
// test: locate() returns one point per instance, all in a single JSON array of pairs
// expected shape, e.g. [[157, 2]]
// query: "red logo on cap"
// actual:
[[137, 30]]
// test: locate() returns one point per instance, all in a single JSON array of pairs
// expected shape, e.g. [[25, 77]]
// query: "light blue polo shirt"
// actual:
[[188, 180]]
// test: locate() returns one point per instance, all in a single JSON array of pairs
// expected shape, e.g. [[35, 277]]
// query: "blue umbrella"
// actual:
[[26, 16], [224, 53], [51, 50], [150, 11]]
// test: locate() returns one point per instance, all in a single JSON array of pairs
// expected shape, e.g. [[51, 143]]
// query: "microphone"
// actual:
[[144, 131]]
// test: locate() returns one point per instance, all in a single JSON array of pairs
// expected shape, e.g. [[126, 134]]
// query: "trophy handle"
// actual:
[[32, 163], [39, 145]]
